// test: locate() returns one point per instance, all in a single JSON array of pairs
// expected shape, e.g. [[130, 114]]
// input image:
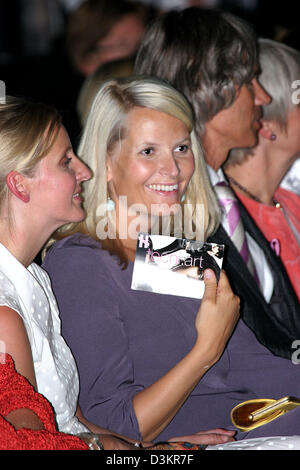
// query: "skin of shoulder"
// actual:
[[14, 336]]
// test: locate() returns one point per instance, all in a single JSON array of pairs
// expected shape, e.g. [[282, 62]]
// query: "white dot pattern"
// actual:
[[28, 292]]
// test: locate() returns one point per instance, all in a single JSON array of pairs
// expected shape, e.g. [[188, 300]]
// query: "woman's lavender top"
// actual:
[[124, 340]]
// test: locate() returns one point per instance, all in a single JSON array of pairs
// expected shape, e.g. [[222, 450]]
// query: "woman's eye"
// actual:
[[67, 161], [147, 152], [182, 148]]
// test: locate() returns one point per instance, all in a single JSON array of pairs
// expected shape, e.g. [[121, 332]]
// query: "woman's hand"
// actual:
[[216, 317], [111, 442], [211, 437], [196, 441], [157, 404]]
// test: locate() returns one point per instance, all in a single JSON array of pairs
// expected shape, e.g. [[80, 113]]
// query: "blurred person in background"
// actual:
[[100, 31]]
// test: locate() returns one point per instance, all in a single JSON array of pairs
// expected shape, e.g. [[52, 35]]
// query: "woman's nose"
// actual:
[[83, 173], [169, 166]]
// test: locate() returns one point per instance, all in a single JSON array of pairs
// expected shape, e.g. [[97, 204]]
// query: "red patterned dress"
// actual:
[[16, 393]]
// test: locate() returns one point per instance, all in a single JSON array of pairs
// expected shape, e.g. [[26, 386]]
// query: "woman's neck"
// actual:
[[23, 243], [127, 233]]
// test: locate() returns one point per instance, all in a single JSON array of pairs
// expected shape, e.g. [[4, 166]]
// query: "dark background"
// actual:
[[34, 64]]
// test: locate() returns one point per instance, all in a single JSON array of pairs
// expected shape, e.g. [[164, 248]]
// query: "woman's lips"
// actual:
[[164, 189], [77, 196]]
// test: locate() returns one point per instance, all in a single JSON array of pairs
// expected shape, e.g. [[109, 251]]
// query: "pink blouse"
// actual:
[[273, 224]]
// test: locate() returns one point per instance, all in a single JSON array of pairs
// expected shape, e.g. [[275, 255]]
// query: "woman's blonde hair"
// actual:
[[27, 133], [105, 127]]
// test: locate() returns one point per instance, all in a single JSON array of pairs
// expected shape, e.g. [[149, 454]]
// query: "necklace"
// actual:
[[252, 196]]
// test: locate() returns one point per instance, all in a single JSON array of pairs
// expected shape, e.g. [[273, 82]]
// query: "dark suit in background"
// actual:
[[275, 324]]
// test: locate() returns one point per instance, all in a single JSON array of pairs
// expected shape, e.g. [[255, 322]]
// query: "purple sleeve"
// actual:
[[92, 327]]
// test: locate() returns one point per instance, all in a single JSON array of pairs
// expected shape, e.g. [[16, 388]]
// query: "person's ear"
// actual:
[[108, 169], [17, 185], [266, 131]]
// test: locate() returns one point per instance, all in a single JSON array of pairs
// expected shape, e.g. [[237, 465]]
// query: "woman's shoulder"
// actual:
[[77, 239], [78, 244], [77, 251]]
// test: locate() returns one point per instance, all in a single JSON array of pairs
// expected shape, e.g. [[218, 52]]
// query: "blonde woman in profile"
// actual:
[[40, 190]]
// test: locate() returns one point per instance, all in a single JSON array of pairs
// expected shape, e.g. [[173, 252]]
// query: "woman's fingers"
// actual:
[[211, 437], [211, 285], [228, 432], [217, 316]]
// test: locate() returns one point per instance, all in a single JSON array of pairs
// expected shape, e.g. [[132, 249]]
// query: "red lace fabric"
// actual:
[[274, 226], [16, 393]]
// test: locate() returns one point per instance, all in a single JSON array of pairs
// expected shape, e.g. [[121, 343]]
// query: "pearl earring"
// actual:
[[273, 137], [110, 204]]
